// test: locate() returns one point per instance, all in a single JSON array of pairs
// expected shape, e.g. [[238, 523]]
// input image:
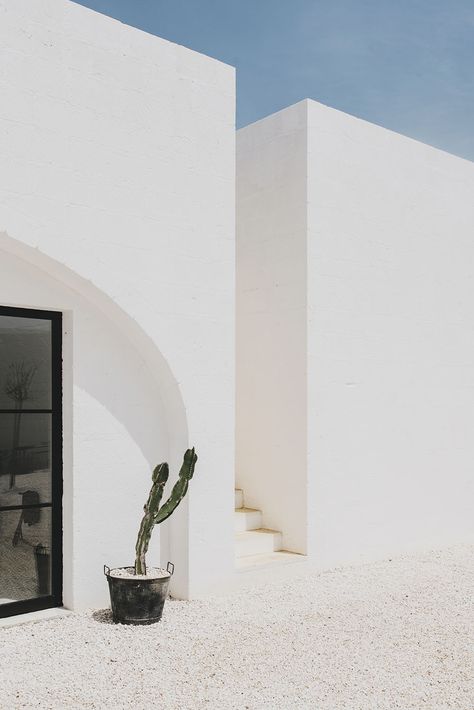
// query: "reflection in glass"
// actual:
[[25, 457], [25, 363], [25, 554]]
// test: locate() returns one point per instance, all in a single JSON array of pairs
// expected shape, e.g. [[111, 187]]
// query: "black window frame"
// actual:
[[55, 599]]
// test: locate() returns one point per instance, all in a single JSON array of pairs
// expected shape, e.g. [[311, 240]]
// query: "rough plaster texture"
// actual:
[[374, 233], [117, 179]]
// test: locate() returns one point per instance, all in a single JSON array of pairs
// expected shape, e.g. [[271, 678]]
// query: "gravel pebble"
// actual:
[[129, 573], [390, 635]]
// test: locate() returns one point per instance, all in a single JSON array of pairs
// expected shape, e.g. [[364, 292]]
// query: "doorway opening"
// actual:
[[30, 460]]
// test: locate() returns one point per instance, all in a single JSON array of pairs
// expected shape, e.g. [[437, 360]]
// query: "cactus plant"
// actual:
[[154, 513]]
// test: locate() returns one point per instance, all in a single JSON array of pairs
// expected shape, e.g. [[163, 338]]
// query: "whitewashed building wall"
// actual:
[[117, 185], [390, 341], [355, 364], [271, 373]]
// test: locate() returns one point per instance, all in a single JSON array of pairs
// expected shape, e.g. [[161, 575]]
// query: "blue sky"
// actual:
[[407, 65]]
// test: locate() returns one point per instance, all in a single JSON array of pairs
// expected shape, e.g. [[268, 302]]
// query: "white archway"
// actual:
[[121, 396]]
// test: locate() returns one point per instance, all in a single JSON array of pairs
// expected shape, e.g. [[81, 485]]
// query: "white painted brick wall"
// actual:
[[383, 274], [271, 322], [117, 162], [390, 341]]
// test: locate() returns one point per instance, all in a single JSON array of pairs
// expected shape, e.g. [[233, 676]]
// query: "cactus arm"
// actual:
[[153, 514], [159, 478], [180, 487]]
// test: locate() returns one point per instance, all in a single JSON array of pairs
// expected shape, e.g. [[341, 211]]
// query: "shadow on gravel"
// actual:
[[103, 616]]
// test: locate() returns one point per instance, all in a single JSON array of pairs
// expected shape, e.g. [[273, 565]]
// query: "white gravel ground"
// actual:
[[393, 634]]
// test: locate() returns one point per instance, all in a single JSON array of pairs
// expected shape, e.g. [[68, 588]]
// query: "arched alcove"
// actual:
[[123, 412]]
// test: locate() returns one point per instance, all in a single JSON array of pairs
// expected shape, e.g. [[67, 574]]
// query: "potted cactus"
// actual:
[[138, 592]]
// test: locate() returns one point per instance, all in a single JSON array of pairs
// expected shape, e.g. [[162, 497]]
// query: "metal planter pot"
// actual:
[[137, 601]]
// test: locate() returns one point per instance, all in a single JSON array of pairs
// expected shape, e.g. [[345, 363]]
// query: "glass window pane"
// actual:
[[25, 554], [25, 458], [25, 363]]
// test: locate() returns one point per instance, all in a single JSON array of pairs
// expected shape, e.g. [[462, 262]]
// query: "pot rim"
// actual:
[[169, 569]]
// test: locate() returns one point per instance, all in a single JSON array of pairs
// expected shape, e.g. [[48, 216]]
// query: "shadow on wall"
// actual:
[[123, 411], [114, 360]]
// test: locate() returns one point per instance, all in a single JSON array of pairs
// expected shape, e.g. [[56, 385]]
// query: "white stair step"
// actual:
[[256, 542], [239, 498], [247, 519]]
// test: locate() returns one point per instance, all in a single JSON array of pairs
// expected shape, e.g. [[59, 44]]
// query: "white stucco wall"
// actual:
[[383, 274], [115, 427], [390, 341], [271, 322], [117, 167]]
